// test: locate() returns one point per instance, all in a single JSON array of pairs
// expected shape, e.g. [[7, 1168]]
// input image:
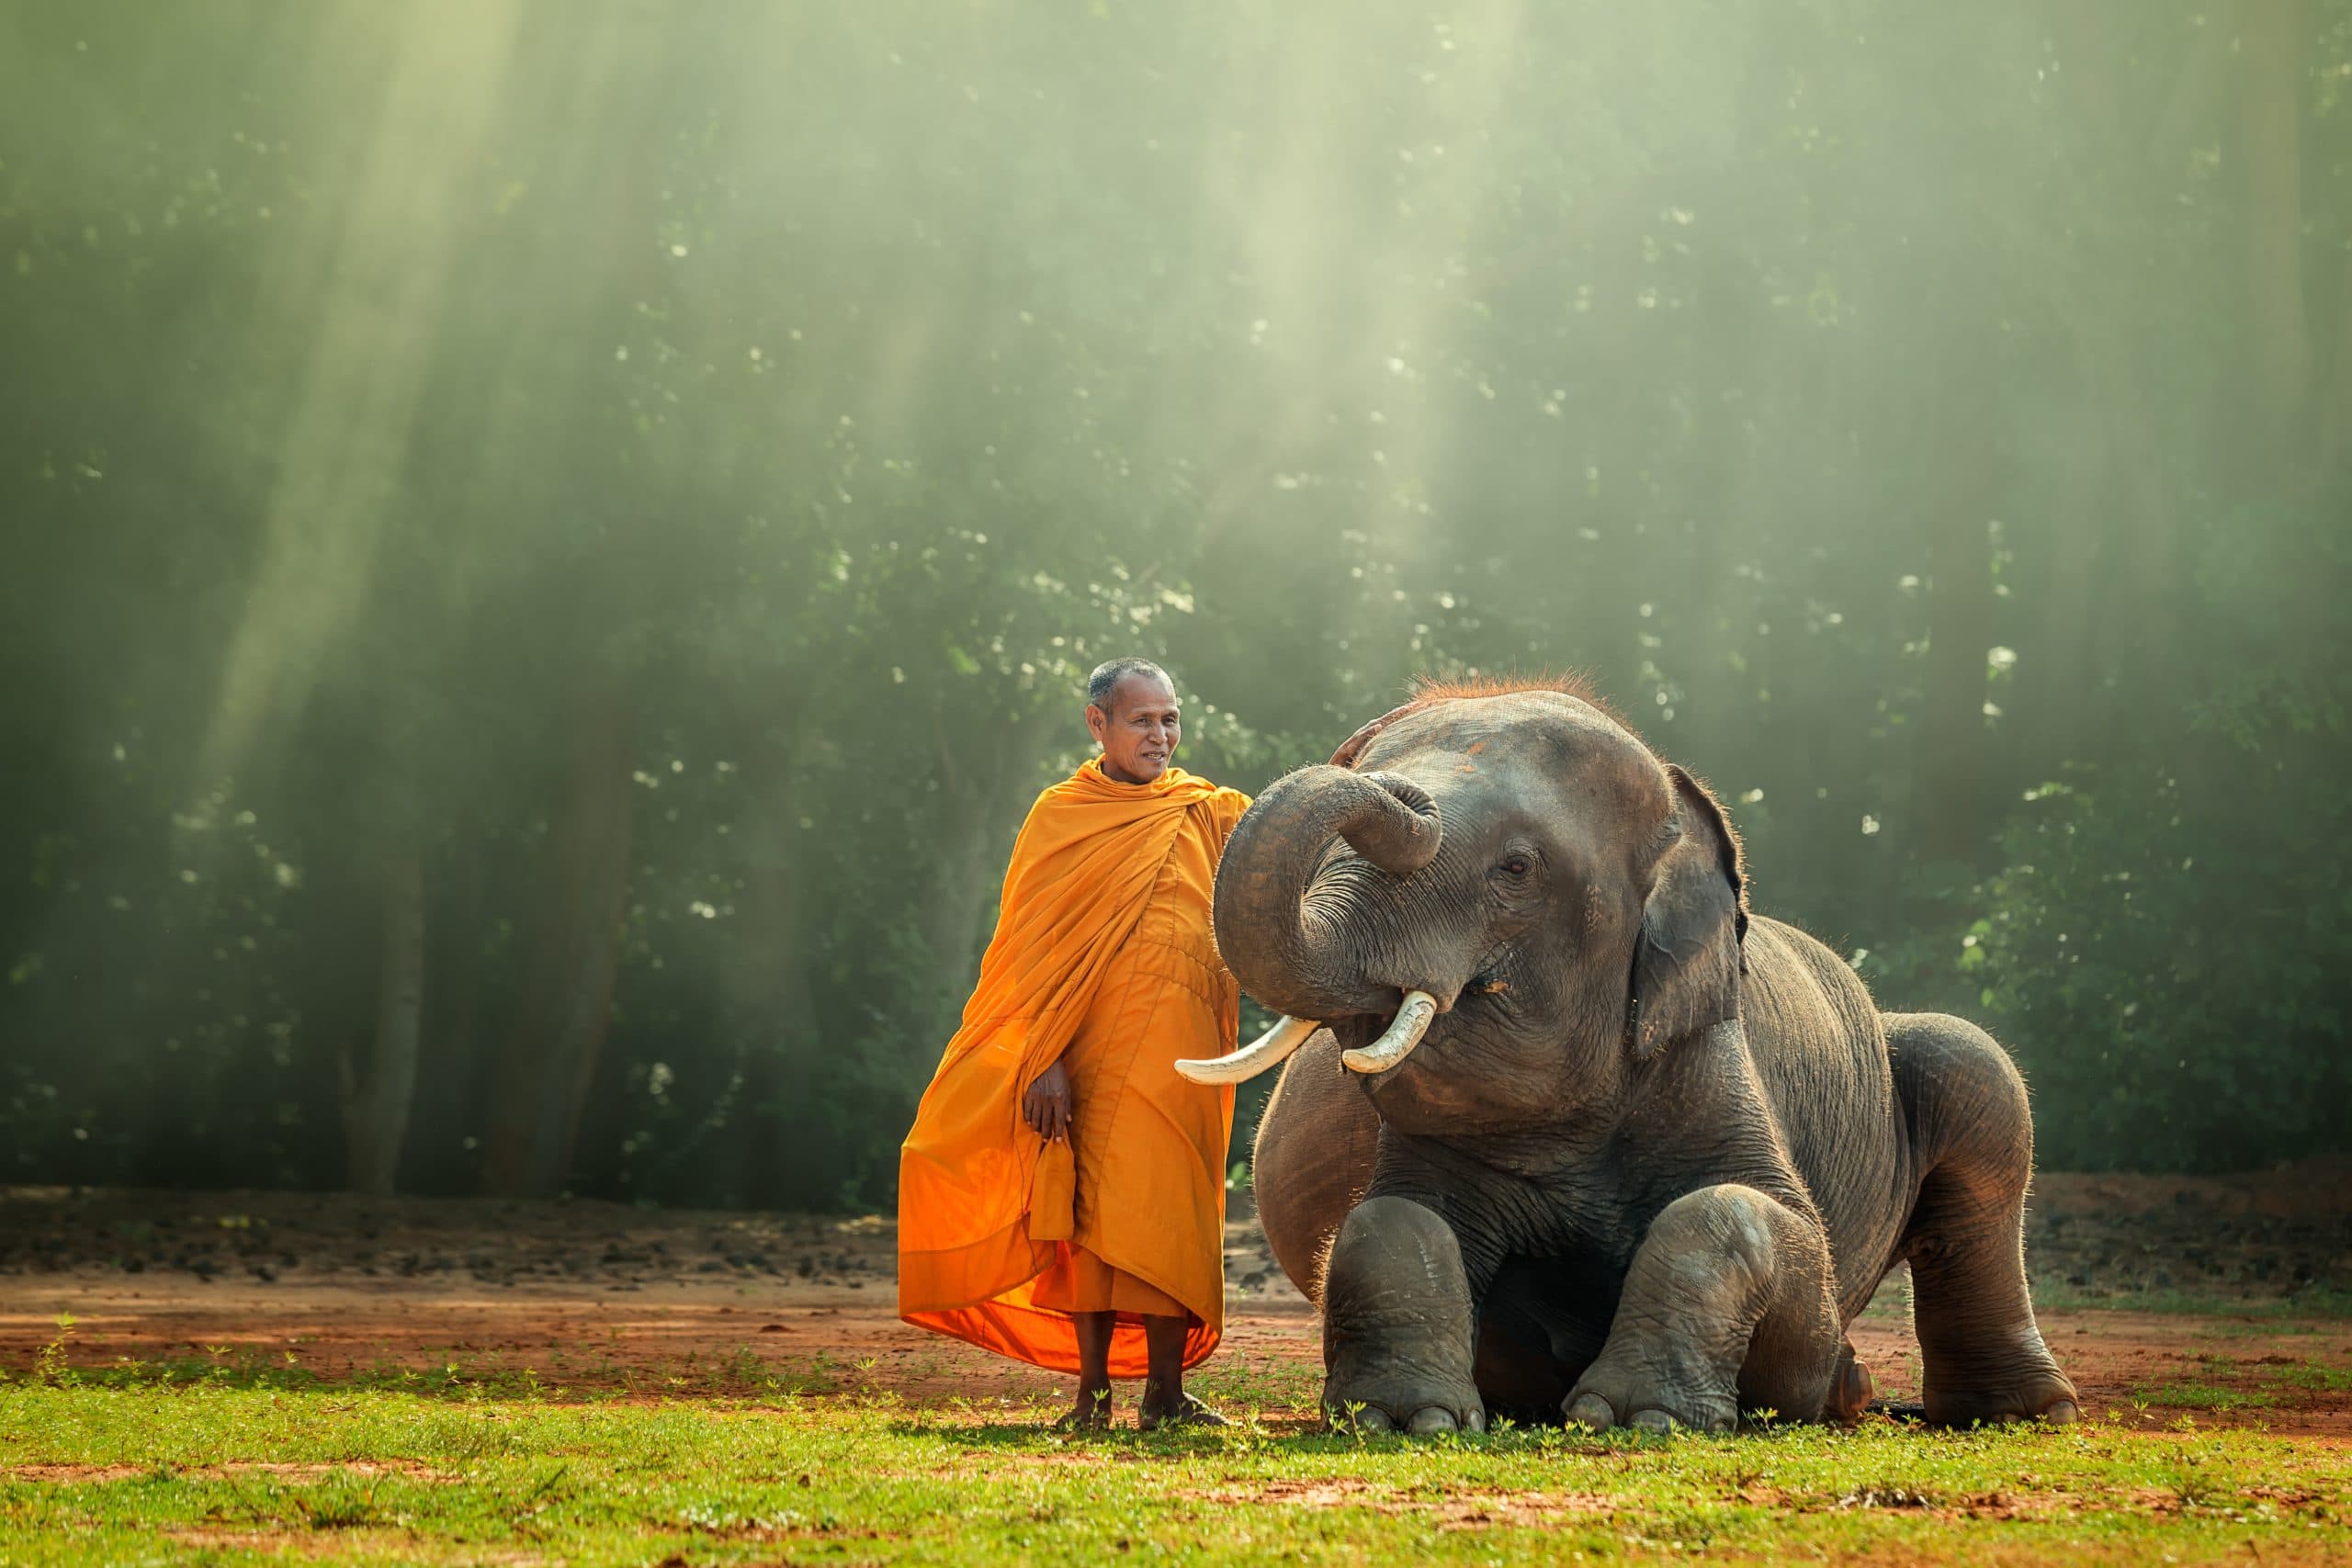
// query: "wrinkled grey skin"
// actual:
[[1654, 1156]]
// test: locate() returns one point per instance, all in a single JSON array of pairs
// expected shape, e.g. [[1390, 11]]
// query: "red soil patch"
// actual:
[[586, 1297], [2151, 1369]]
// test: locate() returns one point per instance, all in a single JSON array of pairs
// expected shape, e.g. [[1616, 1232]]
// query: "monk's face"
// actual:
[[1138, 734]]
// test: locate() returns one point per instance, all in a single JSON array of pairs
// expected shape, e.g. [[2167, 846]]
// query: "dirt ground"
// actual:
[[2222, 1301]]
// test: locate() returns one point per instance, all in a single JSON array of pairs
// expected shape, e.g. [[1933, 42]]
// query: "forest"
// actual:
[[549, 545]]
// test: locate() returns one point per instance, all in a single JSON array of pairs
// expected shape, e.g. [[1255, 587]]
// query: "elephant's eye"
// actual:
[[1516, 866]]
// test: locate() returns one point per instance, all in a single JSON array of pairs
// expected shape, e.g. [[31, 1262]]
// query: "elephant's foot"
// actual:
[[1727, 1297], [2023, 1384], [1366, 1400], [1398, 1329], [1851, 1389], [1652, 1399]]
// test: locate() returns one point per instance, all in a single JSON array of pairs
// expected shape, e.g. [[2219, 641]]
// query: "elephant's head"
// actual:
[[1565, 905]]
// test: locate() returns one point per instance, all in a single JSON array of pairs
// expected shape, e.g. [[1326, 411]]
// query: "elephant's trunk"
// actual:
[[1287, 953]]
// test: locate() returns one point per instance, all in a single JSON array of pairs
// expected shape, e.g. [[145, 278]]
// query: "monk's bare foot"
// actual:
[[1091, 1414], [1186, 1412]]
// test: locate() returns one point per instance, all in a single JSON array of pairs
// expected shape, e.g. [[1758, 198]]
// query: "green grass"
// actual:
[[2310, 1375], [158, 1474], [2315, 1302], [2194, 1394], [2271, 1374]]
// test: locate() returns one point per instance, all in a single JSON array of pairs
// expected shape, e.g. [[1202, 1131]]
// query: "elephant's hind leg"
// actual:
[[1972, 1135]]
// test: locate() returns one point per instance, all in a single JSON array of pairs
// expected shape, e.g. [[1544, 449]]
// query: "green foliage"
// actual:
[[2162, 988], [2161, 947], [672, 481]]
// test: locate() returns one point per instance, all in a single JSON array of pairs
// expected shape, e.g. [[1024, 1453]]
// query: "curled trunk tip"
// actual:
[[1291, 963]]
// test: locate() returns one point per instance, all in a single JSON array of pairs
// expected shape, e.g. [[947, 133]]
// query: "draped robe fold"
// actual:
[[1103, 959]]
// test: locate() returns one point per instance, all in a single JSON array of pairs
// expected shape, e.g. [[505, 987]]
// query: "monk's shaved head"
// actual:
[[1102, 687]]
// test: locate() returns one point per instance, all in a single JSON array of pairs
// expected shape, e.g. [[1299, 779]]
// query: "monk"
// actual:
[[1101, 974]]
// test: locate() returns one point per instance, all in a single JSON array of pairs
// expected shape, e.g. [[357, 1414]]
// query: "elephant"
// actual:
[[1564, 1133]]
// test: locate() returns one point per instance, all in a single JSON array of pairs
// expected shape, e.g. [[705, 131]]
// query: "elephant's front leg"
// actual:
[[1727, 1302], [1399, 1325]]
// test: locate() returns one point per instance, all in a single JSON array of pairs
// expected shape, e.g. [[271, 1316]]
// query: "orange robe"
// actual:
[[1103, 960]]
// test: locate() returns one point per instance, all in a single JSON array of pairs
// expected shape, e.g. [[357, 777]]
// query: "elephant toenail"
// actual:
[[2063, 1414], [1591, 1410], [1478, 1422], [1657, 1423], [1432, 1420], [1370, 1419]]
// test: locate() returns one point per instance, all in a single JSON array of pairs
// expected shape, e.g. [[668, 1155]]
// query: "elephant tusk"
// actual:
[[1269, 1050], [1412, 1022]]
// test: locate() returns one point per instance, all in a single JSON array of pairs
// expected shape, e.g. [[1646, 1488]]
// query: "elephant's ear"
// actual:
[[1352, 748], [1688, 958]]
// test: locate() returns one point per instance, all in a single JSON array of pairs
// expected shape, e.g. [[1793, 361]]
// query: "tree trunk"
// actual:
[[376, 1106], [1959, 468], [552, 1052], [770, 1003], [983, 783], [2270, 120], [2336, 438], [2335, 454], [2061, 715], [454, 1069], [2113, 599]]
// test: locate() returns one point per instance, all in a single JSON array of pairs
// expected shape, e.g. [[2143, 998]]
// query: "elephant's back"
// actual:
[[1312, 1158], [1820, 1049]]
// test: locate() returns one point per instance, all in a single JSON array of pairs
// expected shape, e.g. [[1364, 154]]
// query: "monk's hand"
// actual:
[[1047, 1105]]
